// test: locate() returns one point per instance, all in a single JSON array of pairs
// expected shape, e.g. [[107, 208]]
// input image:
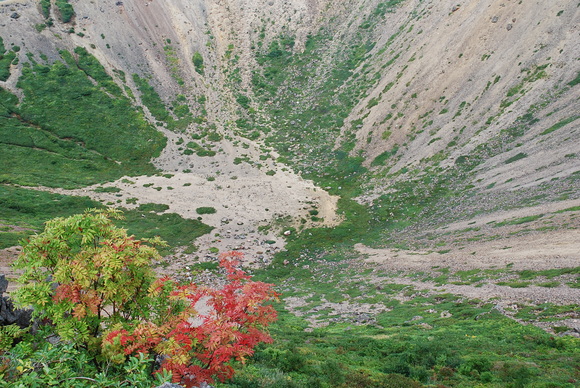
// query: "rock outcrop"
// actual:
[[8, 314]]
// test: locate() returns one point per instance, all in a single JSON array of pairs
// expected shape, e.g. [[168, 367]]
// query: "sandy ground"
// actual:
[[244, 197], [538, 251]]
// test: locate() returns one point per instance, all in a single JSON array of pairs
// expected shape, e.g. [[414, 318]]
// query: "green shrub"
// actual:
[[244, 101], [45, 8], [205, 210], [560, 124], [516, 157], [383, 157], [65, 9], [6, 59], [92, 67], [109, 189], [8, 335], [197, 60], [153, 207]]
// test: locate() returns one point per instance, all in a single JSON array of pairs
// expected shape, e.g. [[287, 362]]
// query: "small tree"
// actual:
[[96, 286], [200, 350], [84, 274]]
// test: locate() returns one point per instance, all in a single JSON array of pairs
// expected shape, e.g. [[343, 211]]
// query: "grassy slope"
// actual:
[[69, 132], [75, 127], [29, 209]]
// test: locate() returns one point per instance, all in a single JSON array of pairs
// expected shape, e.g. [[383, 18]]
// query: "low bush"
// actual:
[[205, 210]]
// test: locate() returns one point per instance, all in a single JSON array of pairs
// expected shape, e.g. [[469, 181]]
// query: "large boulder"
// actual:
[[8, 314]]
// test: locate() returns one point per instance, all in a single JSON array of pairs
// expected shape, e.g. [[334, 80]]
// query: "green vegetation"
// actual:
[[153, 207], [382, 158], [27, 210], [296, 106], [570, 209], [6, 59], [93, 69], [173, 63], [575, 81], [429, 339], [65, 10], [156, 106], [199, 150], [69, 367], [45, 8], [92, 137], [93, 286], [519, 221], [205, 210], [385, 7], [197, 60], [560, 124], [516, 157], [107, 190]]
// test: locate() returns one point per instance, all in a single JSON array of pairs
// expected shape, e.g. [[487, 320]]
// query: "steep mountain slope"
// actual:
[[406, 171], [425, 112]]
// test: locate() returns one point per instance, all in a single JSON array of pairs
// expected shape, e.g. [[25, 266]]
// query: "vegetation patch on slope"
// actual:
[[68, 132], [30, 209]]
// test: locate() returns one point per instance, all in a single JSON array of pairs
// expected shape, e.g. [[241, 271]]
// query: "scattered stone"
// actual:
[[169, 385], [494, 19], [509, 27], [499, 308], [15, 15], [425, 326], [53, 339], [287, 233], [445, 314], [455, 8]]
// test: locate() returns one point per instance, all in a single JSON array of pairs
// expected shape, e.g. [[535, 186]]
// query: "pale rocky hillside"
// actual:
[[491, 85]]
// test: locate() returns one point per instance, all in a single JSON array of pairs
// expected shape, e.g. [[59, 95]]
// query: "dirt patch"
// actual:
[[535, 251], [7, 257], [253, 209], [347, 311]]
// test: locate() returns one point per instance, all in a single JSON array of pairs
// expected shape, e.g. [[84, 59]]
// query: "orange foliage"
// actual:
[[197, 352]]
